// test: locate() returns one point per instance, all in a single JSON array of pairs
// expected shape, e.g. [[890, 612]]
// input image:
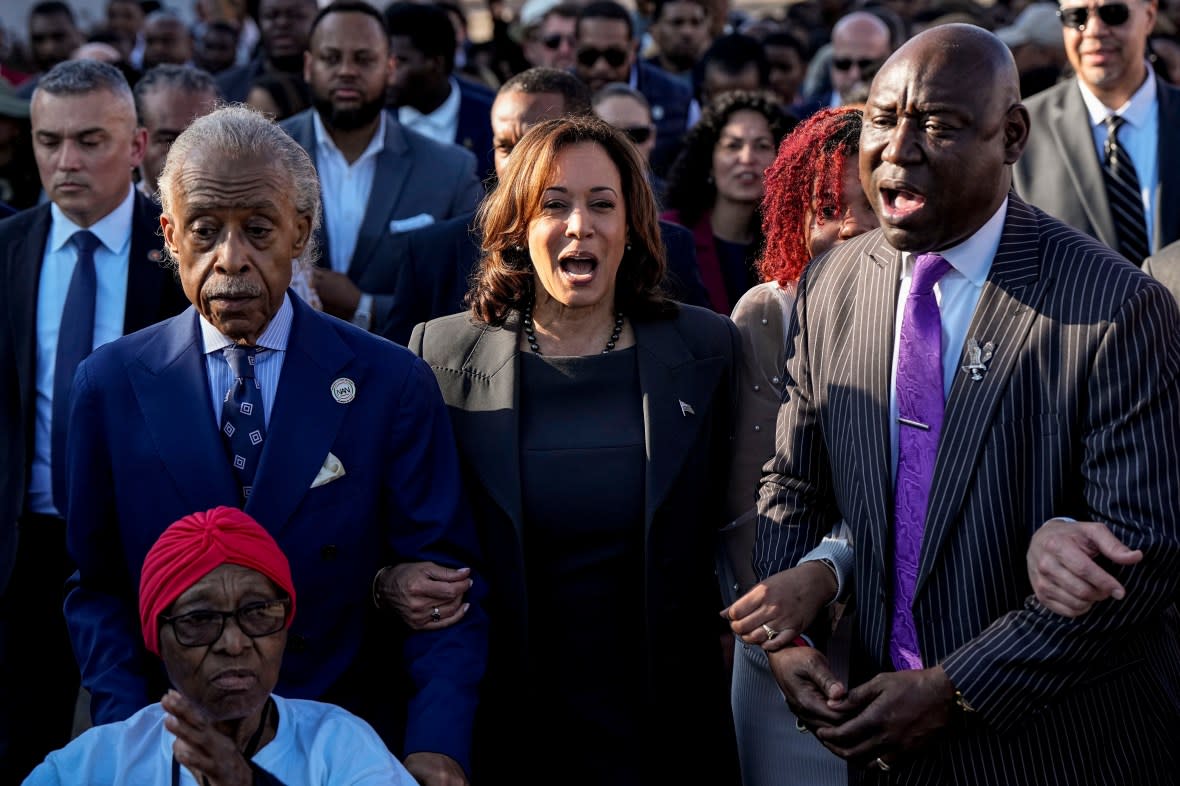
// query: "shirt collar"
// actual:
[[325, 143], [446, 116], [1135, 111], [273, 337], [113, 230], [973, 257]]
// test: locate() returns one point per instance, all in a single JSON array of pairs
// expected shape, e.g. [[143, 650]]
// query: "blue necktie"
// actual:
[[75, 340], [243, 425]]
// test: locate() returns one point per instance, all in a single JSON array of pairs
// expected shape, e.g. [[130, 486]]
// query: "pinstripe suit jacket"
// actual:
[[1077, 415]]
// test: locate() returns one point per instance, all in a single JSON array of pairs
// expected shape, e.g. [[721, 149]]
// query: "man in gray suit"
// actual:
[[955, 379], [378, 178], [1062, 170], [1165, 267]]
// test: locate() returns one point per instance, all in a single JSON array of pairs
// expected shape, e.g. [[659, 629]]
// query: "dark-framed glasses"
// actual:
[[1111, 14], [863, 63], [613, 55], [554, 41], [203, 627], [638, 134]]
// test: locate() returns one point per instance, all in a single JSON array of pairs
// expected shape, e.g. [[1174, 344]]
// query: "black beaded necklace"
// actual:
[[531, 335]]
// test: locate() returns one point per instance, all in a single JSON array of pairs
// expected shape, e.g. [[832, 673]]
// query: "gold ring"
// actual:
[[880, 764], [434, 615], [770, 632]]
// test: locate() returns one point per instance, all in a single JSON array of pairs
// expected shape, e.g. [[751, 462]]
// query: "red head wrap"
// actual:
[[195, 546]]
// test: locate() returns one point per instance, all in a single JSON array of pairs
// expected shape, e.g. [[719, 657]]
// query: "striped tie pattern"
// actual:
[[1122, 190]]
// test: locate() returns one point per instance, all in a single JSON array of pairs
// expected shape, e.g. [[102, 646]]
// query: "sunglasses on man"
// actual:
[[613, 55], [638, 134], [1111, 14], [554, 41], [863, 63]]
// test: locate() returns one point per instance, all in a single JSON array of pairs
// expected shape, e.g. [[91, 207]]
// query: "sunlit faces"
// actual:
[[552, 43], [347, 67], [234, 230], [632, 118], [743, 152], [860, 43], [1109, 59], [232, 677], [86, 146], [605, 52], [578, 235], [681, 32], [515, 112], [832, 223]]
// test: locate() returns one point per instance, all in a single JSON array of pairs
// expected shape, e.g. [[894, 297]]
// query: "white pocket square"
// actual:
[[399, 225], [332, 470]]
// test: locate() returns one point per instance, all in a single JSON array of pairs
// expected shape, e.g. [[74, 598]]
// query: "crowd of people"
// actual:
[[642, 395]]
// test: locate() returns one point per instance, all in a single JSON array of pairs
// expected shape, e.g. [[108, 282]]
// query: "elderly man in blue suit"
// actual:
[[335, 440]]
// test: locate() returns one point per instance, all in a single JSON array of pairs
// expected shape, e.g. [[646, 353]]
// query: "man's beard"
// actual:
[[347, 119]]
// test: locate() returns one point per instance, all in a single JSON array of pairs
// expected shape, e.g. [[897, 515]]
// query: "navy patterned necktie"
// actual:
[[243, 426], [74, 342], [1122, 190]]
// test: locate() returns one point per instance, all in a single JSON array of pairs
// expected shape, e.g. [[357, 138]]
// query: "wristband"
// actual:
[[803, 640], [376, 581]]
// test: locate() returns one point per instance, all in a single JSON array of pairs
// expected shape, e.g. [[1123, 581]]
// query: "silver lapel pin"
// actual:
[[977, 358], [686, 409]]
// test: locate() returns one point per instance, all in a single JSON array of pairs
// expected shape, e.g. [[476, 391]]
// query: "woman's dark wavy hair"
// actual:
[[806, 176], [691, 191], [504, 280]]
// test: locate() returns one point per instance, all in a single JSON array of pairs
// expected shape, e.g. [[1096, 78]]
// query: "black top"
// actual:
[[736, 268], [582, 482]]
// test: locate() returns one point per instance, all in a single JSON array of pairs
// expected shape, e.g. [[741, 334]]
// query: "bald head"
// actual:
[[935, 157], [860, 43]]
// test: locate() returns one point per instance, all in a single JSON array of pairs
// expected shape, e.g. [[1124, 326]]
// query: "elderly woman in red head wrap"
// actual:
[[215, 600]]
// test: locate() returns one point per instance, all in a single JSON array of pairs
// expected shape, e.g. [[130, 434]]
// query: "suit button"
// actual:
[[329, 552], [296, 643]]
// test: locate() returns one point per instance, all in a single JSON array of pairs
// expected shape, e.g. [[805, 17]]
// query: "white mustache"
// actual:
[[231, 287]]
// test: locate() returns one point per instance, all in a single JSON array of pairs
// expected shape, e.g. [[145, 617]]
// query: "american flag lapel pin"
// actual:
[[686, 409]]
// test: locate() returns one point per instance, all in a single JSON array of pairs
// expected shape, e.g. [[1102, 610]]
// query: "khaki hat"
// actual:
[[1036, 24]]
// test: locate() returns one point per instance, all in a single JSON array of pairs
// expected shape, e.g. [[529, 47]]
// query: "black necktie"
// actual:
[[1126, 200], [75, 339], [242, 423]]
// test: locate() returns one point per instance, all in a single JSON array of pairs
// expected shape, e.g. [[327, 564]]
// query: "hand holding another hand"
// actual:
[[425, 595], [786, 603]]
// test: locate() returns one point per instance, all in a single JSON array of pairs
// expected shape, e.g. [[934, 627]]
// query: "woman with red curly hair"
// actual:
[[813, 201]]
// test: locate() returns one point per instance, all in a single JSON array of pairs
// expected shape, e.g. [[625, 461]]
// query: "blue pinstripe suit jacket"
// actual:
[[1078, 415]]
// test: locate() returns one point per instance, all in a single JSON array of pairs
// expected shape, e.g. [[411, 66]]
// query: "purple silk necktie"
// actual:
[[920, 402]]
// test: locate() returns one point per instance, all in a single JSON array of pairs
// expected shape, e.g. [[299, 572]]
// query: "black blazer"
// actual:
[[687, 374], [437, 262], [153, 294]]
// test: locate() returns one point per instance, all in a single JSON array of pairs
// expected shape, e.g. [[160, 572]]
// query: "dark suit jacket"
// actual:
[[234, 83], [147, 451], [415, 176], [1068, 420], [671, 101], [689, 359], [437, 262], [153, 294], [1060, 172], [474, 131], [1164, 266]]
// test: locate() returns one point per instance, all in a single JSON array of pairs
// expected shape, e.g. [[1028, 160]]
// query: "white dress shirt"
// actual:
[[345, 188], [957, 294], [1139, 136], [441, 125], [267, 365], [111, 263]]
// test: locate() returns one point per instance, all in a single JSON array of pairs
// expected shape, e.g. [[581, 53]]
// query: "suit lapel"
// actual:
[[22, 280], [171, 386], [488, 424], [1005, 313], [1167, 195], [389, 180], [145, 274], [306, 417], [677, 392], [873, 331], [1070, 125]]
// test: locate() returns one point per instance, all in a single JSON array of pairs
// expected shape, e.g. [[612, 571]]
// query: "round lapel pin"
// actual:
[[343, 390], [155, 255]]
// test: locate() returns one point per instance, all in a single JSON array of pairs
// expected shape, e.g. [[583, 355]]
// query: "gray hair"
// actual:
[[237, 131], [186, 79], [79, 77], [619, 90]]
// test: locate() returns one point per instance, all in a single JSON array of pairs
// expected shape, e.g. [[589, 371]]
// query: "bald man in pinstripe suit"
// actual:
[[1060, 397]]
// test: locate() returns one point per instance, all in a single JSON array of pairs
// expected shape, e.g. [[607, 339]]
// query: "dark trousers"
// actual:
[[38, 674]]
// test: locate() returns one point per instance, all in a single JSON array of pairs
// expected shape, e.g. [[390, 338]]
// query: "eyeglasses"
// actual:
[[615, 56], [638, 134], [556, 40], [863, 63], [202, 628], [1111, 14]]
